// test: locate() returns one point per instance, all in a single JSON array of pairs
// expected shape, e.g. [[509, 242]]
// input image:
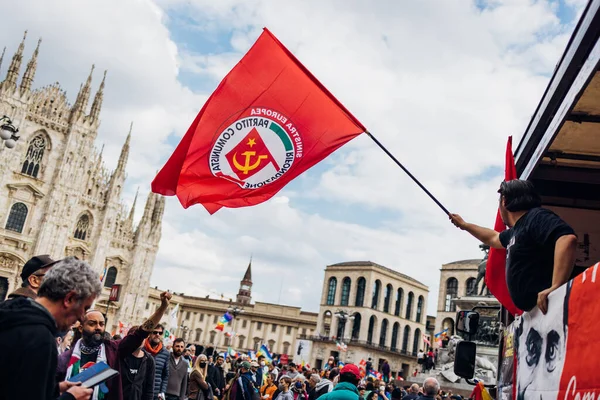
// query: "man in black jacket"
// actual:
[[216, 377], [137, 371], [28, 330]]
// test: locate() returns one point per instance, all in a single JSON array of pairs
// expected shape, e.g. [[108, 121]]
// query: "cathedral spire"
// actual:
[[125, 151], [97, 104], [2, 56], [12, 75], [82, 97], [132, 212], [30, 70]]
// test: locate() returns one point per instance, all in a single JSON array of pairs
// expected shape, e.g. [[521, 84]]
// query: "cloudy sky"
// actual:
[[441, 83]]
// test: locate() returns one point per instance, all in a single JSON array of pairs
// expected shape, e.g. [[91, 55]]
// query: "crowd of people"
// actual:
[[49, 333]]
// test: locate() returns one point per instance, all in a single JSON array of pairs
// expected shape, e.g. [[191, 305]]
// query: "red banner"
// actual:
[[495, 272]]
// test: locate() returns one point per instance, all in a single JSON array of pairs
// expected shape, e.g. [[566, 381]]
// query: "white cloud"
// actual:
[[442, 84]]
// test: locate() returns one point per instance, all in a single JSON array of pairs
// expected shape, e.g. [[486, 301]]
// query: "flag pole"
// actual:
[[382, 147]]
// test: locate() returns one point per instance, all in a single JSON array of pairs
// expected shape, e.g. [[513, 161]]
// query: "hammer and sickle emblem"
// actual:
[[247, 166]]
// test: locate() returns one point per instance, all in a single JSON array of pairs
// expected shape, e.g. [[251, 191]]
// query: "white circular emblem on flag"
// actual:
[[256, 150]]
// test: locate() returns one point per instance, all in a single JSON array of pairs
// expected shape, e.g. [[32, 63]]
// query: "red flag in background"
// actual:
[[495, 273], [267, 122]]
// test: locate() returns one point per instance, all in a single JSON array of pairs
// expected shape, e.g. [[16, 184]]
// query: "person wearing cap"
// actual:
[[32, 274], [346, 388], [245, 383], [257, 374]]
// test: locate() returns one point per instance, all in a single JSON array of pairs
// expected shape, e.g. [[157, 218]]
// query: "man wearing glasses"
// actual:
[[154, 346], [32, 275]]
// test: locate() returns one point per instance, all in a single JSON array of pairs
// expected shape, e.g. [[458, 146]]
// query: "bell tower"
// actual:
[[245, 293]]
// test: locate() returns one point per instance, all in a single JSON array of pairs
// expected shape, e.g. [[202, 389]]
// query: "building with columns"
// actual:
[[57, 196], [258, 323], [375, 312]]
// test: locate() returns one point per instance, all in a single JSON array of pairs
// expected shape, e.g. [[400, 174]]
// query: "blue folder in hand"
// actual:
[[95, 375]]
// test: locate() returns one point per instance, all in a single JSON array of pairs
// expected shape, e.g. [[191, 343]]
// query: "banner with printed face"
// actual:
[[302, 352], [557, 353]]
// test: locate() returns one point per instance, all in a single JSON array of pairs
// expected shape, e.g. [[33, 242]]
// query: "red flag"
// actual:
[[495, 273], [267, 122]]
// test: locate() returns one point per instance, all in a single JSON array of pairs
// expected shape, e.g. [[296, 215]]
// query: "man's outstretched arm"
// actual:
[[484, 235], [134, 339]]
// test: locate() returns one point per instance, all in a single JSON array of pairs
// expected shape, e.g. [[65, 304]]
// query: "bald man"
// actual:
[[93, 348], [431, 387]]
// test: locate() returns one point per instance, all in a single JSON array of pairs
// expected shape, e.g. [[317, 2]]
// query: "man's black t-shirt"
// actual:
[[134, 364], [530, 254]]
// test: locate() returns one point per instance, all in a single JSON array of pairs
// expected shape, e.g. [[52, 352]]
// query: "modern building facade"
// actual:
[[370, 311], [58, 198]]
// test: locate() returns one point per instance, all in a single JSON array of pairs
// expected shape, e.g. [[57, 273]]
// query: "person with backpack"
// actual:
[[242, 386]]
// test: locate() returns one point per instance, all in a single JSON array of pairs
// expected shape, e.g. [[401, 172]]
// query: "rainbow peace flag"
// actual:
[[264, 351], [224, 320]]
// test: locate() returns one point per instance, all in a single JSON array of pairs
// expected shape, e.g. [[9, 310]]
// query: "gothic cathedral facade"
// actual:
[[58, 198]]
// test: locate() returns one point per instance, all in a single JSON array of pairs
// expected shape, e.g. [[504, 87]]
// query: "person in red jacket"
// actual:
[[92, 348]]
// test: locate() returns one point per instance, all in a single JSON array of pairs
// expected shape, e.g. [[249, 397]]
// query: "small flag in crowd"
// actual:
[[224, 320], [426, 340], [173, 317], [232, 353], [264, 351], [440, 336], [480, 392], [103, 274], [341, 364], [268, 121]]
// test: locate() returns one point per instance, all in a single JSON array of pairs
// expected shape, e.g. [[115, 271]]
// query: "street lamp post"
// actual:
[[184, 329], [235, 311], [8, 132]]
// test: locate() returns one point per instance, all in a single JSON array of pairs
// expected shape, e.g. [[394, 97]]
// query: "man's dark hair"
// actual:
[[349, 377], [178, 340], [159, 326], [519, 195]]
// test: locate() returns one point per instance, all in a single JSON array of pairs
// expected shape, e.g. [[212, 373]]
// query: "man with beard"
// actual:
[[216, 377], [178, 372], [154, 346], [93, 348], [28, 330]]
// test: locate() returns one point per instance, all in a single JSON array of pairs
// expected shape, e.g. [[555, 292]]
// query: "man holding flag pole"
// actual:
[[540, 246], [270, 120]]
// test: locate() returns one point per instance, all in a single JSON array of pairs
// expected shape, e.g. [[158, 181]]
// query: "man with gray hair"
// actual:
[[318, 386], [431, 387], [28, 329]]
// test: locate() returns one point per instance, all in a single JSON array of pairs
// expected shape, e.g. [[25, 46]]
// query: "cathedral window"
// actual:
[[111, 277], [82, 228], [16, 217], [33, 157]]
